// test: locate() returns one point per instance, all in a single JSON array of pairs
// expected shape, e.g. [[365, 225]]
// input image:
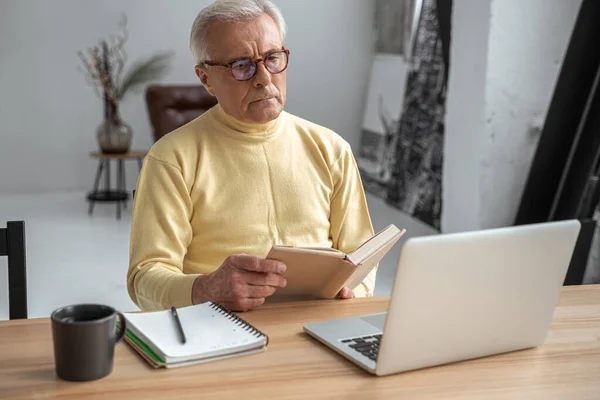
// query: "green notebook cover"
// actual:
[[142, 345]]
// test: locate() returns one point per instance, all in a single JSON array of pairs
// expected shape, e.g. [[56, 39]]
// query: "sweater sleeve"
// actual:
[[160, 235], [349, 217]]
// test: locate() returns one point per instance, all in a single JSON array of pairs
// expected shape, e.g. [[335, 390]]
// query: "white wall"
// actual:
[[465, 109], [528, 41], [48, 114], [505, 58]]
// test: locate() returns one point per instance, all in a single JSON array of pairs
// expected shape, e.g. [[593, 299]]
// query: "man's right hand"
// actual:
[[241, 283]]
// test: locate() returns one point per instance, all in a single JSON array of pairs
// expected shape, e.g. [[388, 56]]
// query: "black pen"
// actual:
[[178, 322]]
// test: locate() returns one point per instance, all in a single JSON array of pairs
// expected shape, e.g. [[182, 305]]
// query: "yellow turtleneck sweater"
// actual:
[[217, 187]]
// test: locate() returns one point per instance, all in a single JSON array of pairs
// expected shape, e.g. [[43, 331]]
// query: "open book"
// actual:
[[314, 272], [212, 333]]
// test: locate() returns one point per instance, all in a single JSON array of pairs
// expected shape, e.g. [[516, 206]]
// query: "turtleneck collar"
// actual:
[[247, 130]]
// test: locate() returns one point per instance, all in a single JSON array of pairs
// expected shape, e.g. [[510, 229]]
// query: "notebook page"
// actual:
[[208, 333]]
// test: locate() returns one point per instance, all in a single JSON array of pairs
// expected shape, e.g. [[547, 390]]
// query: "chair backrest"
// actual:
[[170, 107], [12, 244]]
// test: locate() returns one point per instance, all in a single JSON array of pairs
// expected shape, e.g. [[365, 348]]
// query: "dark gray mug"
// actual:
[[84, 340]]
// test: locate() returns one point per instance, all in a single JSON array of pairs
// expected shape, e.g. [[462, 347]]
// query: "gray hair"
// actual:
[[230, 11]]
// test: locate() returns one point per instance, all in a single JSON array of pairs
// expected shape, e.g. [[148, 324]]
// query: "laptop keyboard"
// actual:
[[368, 346]]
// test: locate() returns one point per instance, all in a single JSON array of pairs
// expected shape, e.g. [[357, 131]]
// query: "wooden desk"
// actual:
[[295, 366]]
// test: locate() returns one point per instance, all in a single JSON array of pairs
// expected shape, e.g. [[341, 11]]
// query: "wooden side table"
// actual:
[[118, 195]]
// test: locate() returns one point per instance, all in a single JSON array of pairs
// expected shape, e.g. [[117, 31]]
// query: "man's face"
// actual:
[[260, 99]]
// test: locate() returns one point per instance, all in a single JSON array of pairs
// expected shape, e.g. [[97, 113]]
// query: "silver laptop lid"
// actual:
[[467, 295]]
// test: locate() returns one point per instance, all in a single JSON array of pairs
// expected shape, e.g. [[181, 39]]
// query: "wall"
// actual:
[[505, 57], [465, 108], [528, 40], [48, 114]]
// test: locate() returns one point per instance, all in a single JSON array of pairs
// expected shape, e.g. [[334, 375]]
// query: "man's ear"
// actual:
[[202, 73]]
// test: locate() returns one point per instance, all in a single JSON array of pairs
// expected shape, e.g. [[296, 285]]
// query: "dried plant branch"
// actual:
[[144, 71], [103, 68]]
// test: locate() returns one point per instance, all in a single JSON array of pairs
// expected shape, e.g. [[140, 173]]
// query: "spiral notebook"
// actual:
[[212, 331]]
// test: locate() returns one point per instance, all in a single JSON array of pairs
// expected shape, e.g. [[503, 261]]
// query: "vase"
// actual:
[[114, 136]]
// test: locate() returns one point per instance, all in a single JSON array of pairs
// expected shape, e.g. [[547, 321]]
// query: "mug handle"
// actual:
[[123, 328]]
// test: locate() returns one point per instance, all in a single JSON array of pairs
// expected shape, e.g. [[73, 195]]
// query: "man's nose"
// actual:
[[262, 77]]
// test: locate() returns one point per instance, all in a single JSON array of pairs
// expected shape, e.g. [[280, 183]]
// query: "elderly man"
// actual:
[[214, 195]]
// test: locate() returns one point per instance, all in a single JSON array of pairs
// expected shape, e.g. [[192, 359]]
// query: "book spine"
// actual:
[[231, 316]]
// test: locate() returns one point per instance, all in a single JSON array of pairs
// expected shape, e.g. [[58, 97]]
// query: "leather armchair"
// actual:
[[170, 107]]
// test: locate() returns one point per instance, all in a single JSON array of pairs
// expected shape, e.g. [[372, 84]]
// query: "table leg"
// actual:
[[118, 188], [123, 186], [107, 176], [96, 183], [109, 194]]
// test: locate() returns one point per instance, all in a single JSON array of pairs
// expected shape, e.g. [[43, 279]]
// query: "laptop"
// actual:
[[460, 296]]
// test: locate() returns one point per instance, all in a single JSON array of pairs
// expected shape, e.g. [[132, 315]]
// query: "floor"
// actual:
[[71, 257], [76, 258]]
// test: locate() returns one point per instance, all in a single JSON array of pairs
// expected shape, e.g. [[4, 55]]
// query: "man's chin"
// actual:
[[264, 111]]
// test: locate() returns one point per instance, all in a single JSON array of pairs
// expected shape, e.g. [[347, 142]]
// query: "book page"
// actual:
[[369, 263], [308, 248], [373, 244]]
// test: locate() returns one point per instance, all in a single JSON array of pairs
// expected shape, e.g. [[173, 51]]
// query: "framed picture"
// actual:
[[396, 24], [401, 148]]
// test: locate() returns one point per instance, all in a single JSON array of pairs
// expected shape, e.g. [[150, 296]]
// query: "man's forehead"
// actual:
[[230, 40], [248, 51]]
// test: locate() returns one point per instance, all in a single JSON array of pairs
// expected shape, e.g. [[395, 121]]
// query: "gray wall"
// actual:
[[528, 41], [465, 109], [505, 58], [48, 114]]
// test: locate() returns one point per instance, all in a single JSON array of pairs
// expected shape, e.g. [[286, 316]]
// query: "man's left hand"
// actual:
[[346, 293]]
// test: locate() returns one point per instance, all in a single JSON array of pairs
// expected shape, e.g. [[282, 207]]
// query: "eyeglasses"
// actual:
[[245, 68]]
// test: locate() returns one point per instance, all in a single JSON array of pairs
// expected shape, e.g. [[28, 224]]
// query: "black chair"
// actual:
[[12, 244]]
